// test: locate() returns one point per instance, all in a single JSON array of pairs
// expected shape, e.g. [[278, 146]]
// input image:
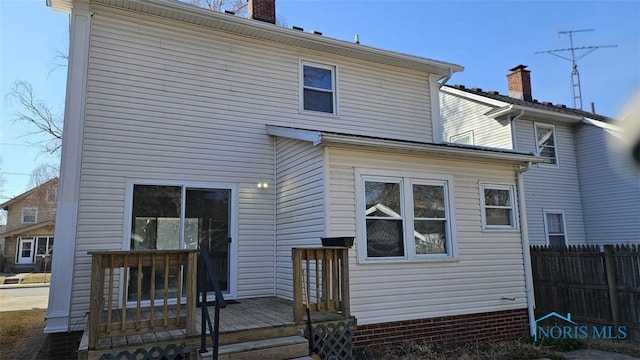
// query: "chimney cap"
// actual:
[[519, 67]]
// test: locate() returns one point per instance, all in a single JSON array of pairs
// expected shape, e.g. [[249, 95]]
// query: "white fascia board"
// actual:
[[475, 152], [475, 97], [546, 115], [496, 113], [602, 125], [186, 12], [305, 135]]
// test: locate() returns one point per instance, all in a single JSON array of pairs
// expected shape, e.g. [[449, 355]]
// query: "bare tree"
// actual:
[[43, 173], [239, 7], [38, 115]]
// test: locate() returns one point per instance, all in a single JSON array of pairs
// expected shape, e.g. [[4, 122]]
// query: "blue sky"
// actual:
[[487, 38]]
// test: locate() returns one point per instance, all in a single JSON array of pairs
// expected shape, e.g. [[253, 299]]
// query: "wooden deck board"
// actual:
[[253, 315]]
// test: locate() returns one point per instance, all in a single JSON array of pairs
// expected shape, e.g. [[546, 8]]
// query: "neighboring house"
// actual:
[[28, 235], [586, 191], [182, 123]]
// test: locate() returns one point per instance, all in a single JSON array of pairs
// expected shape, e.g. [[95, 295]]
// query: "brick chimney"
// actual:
[[263, 10], [520, 83]]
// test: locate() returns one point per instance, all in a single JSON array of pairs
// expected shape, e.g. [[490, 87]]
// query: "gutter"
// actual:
[[459, 151], [524, 230]]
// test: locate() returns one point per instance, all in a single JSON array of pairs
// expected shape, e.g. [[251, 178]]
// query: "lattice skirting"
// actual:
[[170, 352], [333, 341]]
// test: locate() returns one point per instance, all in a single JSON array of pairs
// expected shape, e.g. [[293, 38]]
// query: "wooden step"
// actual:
[[276, 349]]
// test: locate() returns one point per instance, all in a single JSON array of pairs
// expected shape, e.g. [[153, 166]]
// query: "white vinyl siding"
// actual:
[[610, 187], [489, 266], [548, 187], [168, 101], [460, 116], [299, 204]]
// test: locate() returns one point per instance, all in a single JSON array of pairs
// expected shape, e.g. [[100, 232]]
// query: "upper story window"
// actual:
[[554, 227], [546, 143], [52, 194], [318, 87], [498, 209], [465, 138], [406, 218], [29, 215]]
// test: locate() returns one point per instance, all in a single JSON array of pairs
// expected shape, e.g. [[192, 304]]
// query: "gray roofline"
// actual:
[[4, 205], [445, 149]]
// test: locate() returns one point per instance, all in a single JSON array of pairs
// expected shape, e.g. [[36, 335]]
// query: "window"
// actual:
[[177, 216], [29, 215], [554, 227], [498, 210], [406, 218], [318, 88], [546, 143], [44, 245], [464, 138], [52, 194]]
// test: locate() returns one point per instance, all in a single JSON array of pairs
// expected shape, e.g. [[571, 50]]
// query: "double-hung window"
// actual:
[[546, 143], [29, 215], [406, 218], [555, 229], [318, 87], [498, 206]]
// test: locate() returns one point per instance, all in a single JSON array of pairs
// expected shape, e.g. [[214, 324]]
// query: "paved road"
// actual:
[[24, 298]]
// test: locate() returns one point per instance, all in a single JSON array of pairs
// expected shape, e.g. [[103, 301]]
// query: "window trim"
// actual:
[[233, 221], [35, 217], [334, 78], [452, 138], [48, 245], [514, 208], [555, 142], [546, 226], [405, 179]]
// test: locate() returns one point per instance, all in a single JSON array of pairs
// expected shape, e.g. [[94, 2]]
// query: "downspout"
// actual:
[[514, 146], [528, 274]]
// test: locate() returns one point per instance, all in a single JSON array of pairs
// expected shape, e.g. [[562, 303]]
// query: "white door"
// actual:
[[25, 251]]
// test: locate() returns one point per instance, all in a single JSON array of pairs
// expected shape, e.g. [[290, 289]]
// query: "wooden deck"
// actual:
[[242, 320]]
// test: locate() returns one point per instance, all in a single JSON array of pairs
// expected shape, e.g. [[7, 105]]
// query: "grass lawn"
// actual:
[[16, 329]]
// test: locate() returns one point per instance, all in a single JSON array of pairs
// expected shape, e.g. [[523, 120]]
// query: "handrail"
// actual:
[[320, 281], [108, 268], [208, 273]]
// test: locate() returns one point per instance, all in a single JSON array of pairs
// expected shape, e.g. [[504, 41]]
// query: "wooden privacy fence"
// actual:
[[320, 281], [150, 301], [595, 286]]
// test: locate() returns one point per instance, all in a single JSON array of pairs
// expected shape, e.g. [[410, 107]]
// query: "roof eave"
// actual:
[[49, 223], [184, 12], [434, 149]]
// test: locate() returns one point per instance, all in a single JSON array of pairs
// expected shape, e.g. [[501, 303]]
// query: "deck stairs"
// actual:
[[281, 348]]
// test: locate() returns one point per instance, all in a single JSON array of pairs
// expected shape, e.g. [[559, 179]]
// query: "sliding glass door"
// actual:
[[167, 217]]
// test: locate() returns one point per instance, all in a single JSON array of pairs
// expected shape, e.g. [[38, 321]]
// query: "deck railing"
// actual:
[[320, 281], [160, 309]]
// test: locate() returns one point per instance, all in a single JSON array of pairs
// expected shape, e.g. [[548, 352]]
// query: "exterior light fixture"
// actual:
[[263, 185]]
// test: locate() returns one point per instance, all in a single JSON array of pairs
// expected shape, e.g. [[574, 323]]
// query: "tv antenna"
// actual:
[[575, 56]]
